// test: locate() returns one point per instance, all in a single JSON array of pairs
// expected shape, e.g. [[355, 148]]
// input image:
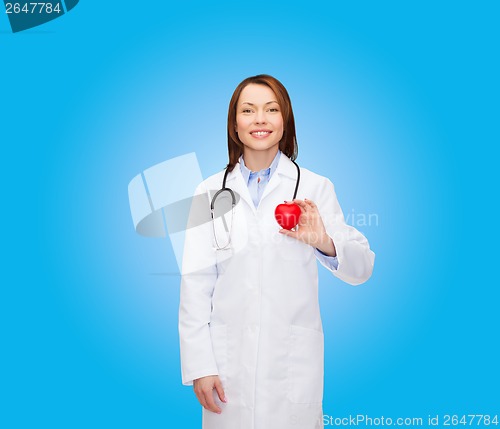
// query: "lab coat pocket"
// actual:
[[218, 334], [306, 361], [223, 259]]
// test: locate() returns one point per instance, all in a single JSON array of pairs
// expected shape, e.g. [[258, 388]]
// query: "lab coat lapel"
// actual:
[[236, 182], [285, 168]]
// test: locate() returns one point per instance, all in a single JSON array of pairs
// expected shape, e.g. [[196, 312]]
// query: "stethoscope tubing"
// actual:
[[233, 203]]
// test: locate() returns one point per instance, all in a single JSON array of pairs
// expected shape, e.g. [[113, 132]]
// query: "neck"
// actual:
[[256, 160]]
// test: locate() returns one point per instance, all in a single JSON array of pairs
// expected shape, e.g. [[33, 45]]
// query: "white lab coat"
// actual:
[[251, 314]]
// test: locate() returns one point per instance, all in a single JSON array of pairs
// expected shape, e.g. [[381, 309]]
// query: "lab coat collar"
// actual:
[[246, 172], [285, 168]]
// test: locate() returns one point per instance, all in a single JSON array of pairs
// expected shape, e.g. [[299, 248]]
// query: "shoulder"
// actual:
[[314, 179], [315, 187]]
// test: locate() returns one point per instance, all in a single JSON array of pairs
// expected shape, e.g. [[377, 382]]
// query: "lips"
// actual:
[[260, 133]]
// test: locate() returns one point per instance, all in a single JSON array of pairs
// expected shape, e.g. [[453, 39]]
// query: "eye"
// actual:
[[274, 109], [246, 111]]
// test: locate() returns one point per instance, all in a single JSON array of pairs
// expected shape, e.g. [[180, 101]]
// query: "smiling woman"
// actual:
[[260, 106], [250, 329], [259, 123]]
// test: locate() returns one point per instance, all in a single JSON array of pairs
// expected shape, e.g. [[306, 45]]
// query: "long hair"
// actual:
[[288, 143]]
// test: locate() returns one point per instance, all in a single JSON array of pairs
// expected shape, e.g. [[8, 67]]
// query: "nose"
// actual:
[[260, 117]]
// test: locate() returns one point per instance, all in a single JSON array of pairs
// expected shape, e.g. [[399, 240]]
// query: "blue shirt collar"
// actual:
[[265, 172]]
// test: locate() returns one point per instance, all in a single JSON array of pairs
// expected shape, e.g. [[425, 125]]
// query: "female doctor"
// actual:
[[251, 337]]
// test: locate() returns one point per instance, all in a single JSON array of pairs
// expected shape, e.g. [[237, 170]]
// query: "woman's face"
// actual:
[[259, 122]]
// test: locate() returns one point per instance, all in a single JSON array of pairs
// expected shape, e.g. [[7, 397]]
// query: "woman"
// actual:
[[249, 322]]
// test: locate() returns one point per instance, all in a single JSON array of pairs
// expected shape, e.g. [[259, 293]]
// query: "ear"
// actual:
[[236, 127]]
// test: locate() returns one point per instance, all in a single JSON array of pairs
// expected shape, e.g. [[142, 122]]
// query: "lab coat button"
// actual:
[[253, 328]]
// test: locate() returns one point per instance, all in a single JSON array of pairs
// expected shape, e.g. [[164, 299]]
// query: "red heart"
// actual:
[[287, 215]]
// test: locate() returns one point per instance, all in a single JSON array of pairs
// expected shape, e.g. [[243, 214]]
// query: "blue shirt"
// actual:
[[257, 181]]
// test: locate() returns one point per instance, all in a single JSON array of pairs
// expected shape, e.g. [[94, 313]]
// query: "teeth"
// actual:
[[261, 133]]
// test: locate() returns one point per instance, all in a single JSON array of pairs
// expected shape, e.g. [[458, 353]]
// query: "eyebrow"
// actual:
[[251, 104]]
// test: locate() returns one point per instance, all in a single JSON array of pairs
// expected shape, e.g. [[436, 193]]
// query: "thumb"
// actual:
[[220, 390], [290, 233]]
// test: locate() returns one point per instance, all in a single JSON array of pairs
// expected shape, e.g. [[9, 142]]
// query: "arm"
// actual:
[[330, 262], [199, 275], [355, 259], [322, 225]]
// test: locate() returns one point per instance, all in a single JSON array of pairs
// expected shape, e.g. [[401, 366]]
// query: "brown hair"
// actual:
[[287, 145]]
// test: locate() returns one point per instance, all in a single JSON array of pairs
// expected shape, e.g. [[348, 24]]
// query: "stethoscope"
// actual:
[[233, 203]]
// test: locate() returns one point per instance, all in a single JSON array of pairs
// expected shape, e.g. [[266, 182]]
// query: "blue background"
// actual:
[[396, 102]]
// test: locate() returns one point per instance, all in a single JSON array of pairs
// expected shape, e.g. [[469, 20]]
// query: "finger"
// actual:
[[313, 210], [211, 405], [220, 390], [311, 206], [300, 203], [303, 206], [201, 398], [310, 203], [289, 233]]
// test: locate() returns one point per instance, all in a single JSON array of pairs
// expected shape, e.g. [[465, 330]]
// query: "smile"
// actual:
[[260, 133]]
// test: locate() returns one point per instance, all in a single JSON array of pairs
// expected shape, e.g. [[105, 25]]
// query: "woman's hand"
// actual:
[[204, 387], [311, 229]]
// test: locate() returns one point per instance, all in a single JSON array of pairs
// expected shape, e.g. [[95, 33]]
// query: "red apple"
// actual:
[[287, 215]]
